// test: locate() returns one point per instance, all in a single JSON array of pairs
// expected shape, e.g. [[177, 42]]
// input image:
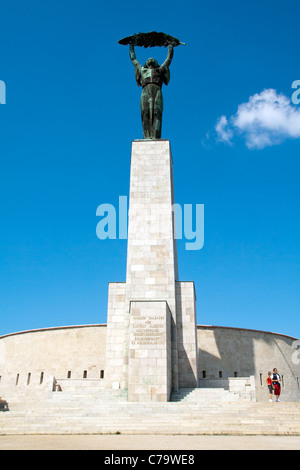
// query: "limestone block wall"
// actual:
[[117, 337], [150, 368], [80, 351], [152, 266], [186, 334], [233, 352], [29, 359]]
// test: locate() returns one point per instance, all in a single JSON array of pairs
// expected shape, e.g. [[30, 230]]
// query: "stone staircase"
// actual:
[[204, 395], [191, 411]]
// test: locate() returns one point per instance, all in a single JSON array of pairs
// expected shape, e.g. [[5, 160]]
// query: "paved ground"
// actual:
[[126, 442]]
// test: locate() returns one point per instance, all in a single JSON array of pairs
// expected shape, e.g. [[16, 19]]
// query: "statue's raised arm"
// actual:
[[169, 58], [133, 56], [136, 64]]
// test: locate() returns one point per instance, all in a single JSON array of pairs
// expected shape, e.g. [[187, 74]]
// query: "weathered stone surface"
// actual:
[[151, 286]]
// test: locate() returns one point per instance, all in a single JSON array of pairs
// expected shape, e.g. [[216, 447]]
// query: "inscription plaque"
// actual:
[[149, 351], [148, 330]]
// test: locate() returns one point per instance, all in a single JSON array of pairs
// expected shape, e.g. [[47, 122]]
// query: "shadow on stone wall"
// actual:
[[232, 352]]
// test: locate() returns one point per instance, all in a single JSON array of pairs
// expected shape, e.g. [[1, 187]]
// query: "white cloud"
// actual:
[[267, 119], [224, 132]]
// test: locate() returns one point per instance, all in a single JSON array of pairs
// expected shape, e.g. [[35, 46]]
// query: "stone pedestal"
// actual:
[[152, 257], [150, 313], [150, 364], [187, 334]]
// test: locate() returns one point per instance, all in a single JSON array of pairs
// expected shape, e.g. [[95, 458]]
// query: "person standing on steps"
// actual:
[[276, 379], [270, 386]]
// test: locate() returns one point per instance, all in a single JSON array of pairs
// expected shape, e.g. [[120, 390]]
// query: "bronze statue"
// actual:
[[151, 77]]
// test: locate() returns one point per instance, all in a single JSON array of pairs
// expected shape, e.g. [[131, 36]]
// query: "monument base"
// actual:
[[151, 326], [150, 370]]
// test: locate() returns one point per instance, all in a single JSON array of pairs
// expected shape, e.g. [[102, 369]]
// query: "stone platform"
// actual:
[[193, 411]]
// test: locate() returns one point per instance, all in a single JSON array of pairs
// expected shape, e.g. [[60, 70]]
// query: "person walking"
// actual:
[[270, 386], [276, 379]]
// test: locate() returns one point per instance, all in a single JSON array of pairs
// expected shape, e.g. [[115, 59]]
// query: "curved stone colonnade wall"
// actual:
[[28, 359], [234, 352]]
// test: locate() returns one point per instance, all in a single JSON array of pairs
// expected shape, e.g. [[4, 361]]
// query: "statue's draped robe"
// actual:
[[152, 79]]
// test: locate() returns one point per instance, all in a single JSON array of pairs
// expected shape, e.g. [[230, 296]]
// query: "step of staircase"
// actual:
[[204, 395], [191, 411]]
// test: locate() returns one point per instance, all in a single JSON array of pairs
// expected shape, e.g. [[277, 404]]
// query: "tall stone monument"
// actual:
[[151, 324]]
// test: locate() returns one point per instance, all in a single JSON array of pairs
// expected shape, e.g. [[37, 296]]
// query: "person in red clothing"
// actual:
[[270, 386], [276, 379]]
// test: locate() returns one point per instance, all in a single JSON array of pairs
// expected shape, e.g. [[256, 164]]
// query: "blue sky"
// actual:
[[71, 112]]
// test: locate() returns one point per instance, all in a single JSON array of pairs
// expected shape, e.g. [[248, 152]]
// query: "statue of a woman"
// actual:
[[151, 77]]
